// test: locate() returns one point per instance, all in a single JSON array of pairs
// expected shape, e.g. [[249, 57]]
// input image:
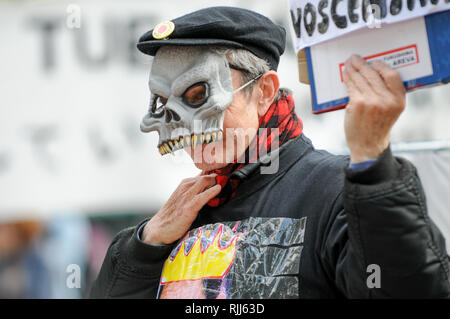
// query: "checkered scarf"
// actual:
[[281, 115]]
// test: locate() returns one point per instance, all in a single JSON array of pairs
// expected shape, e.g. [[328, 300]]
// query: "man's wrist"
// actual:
[[140, 230], [385, 168], [365, 153], [142, 238], [358, 157], [145, 254], [359, 166]]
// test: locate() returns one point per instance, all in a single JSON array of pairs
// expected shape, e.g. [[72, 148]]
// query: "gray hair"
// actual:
[[251, 65]]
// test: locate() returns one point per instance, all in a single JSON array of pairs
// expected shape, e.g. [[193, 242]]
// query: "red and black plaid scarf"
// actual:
[[281, 115]]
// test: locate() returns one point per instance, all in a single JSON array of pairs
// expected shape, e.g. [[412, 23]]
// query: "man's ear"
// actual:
[[269, 83]]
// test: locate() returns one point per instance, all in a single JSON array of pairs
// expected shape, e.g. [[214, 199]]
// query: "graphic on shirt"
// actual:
[[252, 258], [203, 254]]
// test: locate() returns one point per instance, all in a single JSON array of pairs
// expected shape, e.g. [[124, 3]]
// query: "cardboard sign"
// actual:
[[315, 21], [418, 48]]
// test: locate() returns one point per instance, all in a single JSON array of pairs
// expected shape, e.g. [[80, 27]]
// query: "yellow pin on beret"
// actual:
[[163, 30]]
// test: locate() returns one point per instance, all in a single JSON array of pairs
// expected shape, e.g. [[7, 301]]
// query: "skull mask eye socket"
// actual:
[[196, 95]]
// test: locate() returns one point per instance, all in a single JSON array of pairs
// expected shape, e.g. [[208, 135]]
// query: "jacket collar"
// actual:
[[252, 175]]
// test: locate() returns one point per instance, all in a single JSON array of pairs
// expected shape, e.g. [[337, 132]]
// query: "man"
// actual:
[[270, 216]]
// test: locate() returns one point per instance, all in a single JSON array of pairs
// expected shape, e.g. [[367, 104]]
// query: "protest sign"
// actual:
[[412, 37]]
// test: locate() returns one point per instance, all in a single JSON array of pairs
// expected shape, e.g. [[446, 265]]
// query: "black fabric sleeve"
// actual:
[[381, 219], [131, 268]]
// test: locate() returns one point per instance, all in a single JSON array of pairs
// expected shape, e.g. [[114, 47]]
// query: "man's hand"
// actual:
[[377, 98], [180, 211]]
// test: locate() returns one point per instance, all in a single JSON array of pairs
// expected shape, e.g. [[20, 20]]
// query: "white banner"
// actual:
[[315, 21]]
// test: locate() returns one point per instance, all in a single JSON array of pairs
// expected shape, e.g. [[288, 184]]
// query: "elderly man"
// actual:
[[270, 216]]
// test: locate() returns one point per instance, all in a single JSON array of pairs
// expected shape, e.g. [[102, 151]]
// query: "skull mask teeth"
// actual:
[[193, 87], [189, 141]]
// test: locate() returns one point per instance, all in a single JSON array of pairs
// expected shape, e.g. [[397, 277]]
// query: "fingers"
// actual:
[[390, 76], [372, 77], [373, 85], [186, 184], [204, 197], [191, 186], [201, 183], [351, 87], [204, 189], [359, 82], [180, 211], [378, 76]]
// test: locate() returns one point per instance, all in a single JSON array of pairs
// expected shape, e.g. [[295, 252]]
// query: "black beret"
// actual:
[[224, 26]]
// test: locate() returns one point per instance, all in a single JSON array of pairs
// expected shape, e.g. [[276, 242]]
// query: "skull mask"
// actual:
[[191, 88]]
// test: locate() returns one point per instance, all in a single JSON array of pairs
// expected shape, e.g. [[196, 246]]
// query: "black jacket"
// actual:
[[313, 229]]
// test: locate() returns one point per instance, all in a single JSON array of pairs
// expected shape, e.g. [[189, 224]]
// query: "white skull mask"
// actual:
[[191, 88]]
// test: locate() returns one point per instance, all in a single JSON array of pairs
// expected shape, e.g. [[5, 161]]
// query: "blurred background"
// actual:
[[75, 168]]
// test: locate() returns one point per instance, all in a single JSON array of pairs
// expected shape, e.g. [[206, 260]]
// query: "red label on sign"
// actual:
[[396, 58]]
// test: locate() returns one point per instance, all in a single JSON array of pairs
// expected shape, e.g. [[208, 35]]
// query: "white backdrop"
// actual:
[[433, 165]]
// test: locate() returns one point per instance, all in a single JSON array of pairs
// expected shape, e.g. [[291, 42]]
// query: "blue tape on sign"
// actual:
[[323, 107], [438, 31]]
